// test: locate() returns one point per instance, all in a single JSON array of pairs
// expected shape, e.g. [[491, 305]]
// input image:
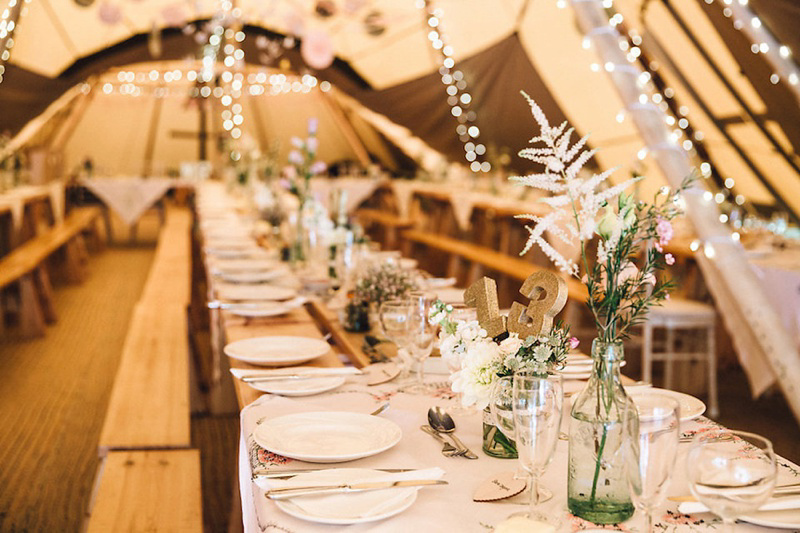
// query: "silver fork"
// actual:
[[448, 450]]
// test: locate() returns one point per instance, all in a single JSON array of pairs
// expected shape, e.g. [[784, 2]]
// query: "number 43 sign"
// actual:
[[547, 292]]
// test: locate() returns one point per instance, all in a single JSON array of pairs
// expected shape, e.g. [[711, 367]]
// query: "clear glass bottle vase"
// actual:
[[597, 489]]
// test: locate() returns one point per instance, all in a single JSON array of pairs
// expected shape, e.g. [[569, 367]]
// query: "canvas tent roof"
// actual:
[[750, 127]]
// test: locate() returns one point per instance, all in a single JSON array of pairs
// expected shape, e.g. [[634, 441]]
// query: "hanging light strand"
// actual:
[[779, 56], [458, 98], [9, 22]]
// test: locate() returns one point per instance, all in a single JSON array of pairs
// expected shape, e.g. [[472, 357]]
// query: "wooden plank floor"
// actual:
[[54, 392]]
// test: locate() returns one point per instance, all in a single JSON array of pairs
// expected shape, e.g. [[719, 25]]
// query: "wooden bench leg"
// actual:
[[44, 291], [74, 270], [31, 317]]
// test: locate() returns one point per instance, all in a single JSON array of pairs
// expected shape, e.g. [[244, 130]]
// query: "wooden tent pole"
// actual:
[[739, 283], [347, 128], [76, 111]]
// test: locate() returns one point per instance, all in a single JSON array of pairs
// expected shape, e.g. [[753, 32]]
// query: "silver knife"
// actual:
[[280, 494], [297, 375], [277, 474]]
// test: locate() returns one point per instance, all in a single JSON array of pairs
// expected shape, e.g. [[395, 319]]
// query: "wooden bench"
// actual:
[[149, 405], [389, 223], [153, 491], [25, 265], [481, 258]]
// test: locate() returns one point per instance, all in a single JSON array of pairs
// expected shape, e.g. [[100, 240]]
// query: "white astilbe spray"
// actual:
[[575, 200]]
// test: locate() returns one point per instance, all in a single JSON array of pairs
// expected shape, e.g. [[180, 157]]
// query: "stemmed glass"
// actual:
[[653, 450], [537, 405], [395, 317], [460, 313], [731, 472], [422, 335]]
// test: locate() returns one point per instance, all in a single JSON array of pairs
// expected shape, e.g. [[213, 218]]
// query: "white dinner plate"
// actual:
[[327, 437], [255, 276], [785, 519], [277, 350], [244, 292], [248, 265], [299, 387], [438, 283], [352, 508], [691, 407], [265, 309]]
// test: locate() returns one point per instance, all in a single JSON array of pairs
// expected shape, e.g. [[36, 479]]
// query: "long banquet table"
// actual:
[[444, 508]]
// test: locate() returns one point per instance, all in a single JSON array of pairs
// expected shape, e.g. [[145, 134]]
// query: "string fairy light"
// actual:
[[9, 23], [458, 98], [177, 82], [779, 56], [657, 95]]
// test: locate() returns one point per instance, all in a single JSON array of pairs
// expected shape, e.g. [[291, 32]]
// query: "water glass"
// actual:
[[651, 458], [537, 406], [395, 317], [731, 472]]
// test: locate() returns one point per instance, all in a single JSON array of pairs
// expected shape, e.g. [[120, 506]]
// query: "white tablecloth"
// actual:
[[438, 509], [358, 190], [129, 197], [779, 272], [15, 199]]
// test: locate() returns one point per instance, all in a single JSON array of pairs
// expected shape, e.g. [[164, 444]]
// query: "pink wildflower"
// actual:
[[670, 259], [664, 231], [318, 167], [573, 343]]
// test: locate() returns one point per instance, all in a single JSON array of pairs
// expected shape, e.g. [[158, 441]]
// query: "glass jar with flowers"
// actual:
[[621, 287], [377, 284], [484, 367], [302, 167]]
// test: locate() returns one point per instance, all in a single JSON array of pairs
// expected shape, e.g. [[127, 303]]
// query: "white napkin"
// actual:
[[773, 504], [302, 370], [355, 504]]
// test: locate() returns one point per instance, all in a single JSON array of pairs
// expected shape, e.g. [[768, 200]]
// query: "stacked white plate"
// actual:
[[277, 350]]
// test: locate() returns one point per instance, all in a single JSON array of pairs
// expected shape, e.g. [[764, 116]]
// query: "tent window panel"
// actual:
[[772, 165], [693, 66], [777, 131], [694, 16]]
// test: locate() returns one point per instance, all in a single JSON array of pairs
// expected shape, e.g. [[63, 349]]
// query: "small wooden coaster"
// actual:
[[500, 487], [381, 372]]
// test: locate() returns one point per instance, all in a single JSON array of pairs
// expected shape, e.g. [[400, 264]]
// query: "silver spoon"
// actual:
[[442, 422]]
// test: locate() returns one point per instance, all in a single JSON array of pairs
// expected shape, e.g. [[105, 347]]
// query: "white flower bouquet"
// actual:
[[480, 360]]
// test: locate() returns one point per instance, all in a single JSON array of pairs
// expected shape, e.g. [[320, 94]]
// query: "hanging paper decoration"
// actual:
[[110, 14], [375, 23], [317, 49], [174, 15]]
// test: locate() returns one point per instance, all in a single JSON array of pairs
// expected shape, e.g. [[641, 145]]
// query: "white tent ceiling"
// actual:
[[55, 34]]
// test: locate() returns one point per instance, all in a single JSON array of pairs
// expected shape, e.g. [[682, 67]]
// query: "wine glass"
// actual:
[[652, 450], [731, 472], [395, 317], [422, 335], [537, 406]]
